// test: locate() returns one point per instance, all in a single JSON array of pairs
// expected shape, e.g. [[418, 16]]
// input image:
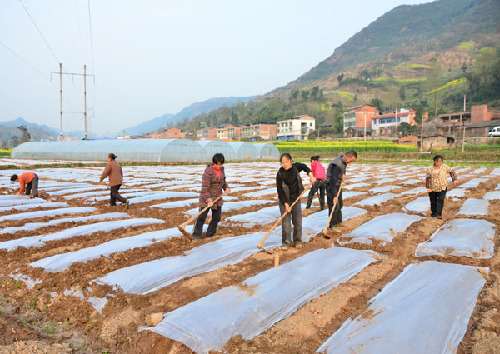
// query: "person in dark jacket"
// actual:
[[213, 184], [335, 175], [289, 187], [113, 171]]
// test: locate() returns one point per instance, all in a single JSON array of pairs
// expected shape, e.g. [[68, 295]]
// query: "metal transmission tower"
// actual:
[[85, 115]]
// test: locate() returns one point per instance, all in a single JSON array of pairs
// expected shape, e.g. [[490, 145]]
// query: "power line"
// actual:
[[91, 36], [21, 58], [39, 31]]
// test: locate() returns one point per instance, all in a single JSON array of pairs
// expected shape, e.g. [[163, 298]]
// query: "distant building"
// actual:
[[359, 118], [257, 132], [229, 132], [170, 133], [207, 134], [297, 128], [477, 122], [386, 124]]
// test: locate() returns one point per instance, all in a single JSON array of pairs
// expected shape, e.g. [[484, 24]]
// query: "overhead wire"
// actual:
[[47, 44]]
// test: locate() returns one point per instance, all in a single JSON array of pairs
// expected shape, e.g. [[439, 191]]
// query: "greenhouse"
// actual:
[[145, 150]]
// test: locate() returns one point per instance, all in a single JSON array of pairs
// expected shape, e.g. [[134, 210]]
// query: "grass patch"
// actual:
[[449, 85], [467, 45], [343, 145], [5, 152]]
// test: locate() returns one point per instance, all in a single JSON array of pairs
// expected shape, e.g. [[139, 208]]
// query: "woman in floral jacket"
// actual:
[[213, 184], [436, 182]]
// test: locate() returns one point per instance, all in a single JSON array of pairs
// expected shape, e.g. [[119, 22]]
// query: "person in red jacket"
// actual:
[[213, 185], [318, 171], [28, 183]]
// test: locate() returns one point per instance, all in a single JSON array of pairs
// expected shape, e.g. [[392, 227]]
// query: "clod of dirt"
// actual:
[[35, 347], [154, 318]]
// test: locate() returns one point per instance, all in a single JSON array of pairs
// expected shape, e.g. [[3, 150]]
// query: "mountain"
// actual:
[[422, 56], [409, 31], [184, 115], [10, 135]]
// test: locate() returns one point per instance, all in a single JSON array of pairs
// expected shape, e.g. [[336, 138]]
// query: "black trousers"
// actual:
[[437, 202], [212, 227], [321, 186], [337, 212], [115, 196], [290, 236]]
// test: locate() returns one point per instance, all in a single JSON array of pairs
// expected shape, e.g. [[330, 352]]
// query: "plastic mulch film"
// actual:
[[46, 213], [456, 193], [20, 201], [78, 231], [150, 276], [259, 217], [43, 205], [63, 261], [424, 310], [494, 195], [259, 302], [474, 206], [420, 205], [382, 228], [377, 199], [31, 226], [162, 195], [462, 238]]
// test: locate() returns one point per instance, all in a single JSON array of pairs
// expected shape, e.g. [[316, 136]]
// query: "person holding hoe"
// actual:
[[290, 189], [335, 175], [213, 185], [436, 182], [319, 174]]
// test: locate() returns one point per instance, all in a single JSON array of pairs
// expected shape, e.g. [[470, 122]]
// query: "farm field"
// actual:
[[79, 276]]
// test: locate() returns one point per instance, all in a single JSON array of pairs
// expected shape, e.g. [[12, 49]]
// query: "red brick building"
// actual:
[[356, 119], [259, 132], [170, 133], [207, 134]]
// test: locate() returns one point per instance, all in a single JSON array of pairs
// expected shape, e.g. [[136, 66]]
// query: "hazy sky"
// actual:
[[157, 56]]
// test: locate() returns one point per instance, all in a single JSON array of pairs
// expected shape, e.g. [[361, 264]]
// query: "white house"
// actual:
[[297, 128]]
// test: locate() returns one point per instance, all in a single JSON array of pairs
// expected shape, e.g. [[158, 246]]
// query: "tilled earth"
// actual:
[[50, 312]]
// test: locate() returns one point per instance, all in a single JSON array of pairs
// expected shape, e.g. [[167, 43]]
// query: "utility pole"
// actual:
[[85, 100], [84, 75], [60, 99], [463, 123]]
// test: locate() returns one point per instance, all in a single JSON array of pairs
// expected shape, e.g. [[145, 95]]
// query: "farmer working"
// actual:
[[436, 182], [213, 184], [113, 171], [335, 175], [28, 183], [290, 188], [318, 171]]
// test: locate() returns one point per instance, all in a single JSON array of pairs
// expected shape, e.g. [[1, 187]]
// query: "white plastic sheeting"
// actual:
[[456, 193], [262, 300], [81, 219], [377, 199], [61, 262], [473, 183], [383, 189], [382, 228], [43, 205], [421, 205], [143, 150], [162, 195], [494, 195], [462, 238], [424, 310], [78, 231], [259, 217], [20, 201], [46, 213], [230, 206], [473, 206], [150, 276], [261, 193], [176, 204]]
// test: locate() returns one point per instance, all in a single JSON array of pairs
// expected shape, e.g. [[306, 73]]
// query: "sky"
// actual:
[[152, 57]]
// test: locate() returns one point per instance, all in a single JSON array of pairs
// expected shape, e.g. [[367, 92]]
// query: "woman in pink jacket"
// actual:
[[319, 173]]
